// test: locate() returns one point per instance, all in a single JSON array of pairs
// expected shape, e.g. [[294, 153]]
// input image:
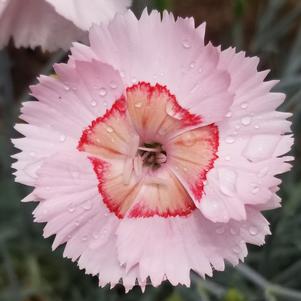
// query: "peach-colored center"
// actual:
[[150, 155]]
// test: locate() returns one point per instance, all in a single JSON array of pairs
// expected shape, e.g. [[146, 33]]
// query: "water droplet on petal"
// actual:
[[186, 44], [261, 147], [170, 110], [138, 105], [189, 139], [162, 132], [95, 235], [200, 70], [87, 206], [71, 208], [62, 138], [233, 231], [256, 126], [253, 230], [230, 139], [93, 103], [113, 85], [109, 129], [122, 74], [77, 223], [67, 88], [229, 114], [246, 120], [228, 158], [220, 230], [85, 238], [105, 103], [134, 80], [102, 92], [255, 189], [106, 214], [236, 250], [263, 172], [192, 65], [227, 179], [244, 105]]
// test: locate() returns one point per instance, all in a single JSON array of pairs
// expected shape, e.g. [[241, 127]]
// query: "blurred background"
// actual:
[[30, 271]]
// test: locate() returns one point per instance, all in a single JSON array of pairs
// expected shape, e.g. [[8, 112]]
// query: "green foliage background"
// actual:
[[29, 271]]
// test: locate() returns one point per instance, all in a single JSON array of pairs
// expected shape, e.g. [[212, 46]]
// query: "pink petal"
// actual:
[[83, 15], [191, 242], [33, 23], [190, 73]]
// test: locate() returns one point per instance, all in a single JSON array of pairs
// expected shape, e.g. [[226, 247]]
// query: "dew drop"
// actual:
[[62, 138], [106, 214], [229, 114], [138, 105], [200, 70], [220, 230], [162, 132], [255, 189], [189, 139], [95, 235], [102, 92], [236, 250], [134, 80], [105, 104], [113, 85], [109, 129], [244, 105], [122, 74], [186, 44], [256, 126], [227, 179], [233, 231], [67, 88], [253, 230], [93, 103], [263, 172], [192, 65], [246, 120], [228, 158], [230, 139], [71, 208], [85, 238], [87, 206], [77, 223]]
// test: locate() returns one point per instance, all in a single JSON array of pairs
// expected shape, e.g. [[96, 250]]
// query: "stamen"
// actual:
[[148, 149], [161, 158]]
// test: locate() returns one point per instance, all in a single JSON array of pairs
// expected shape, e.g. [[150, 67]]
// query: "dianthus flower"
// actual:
[[53, 24], [152, 153]]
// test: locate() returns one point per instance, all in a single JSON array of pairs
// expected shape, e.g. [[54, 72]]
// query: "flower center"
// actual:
[[152, 154]]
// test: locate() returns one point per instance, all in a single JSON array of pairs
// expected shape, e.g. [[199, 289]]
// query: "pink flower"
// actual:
[[53, 24], [152, 154]]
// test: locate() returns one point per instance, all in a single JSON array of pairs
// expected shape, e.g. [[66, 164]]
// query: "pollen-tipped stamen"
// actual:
[[153, 155]]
